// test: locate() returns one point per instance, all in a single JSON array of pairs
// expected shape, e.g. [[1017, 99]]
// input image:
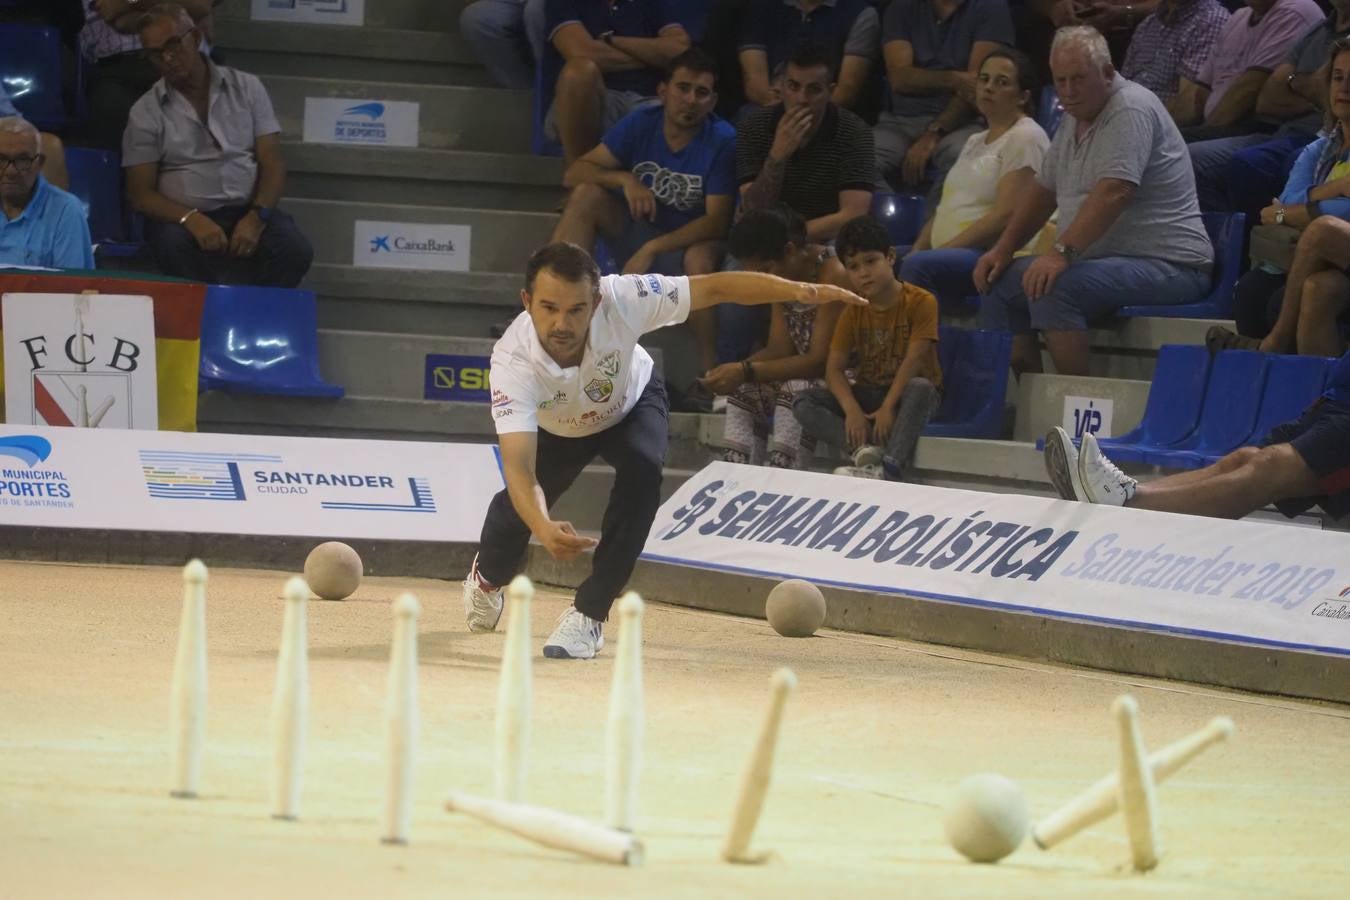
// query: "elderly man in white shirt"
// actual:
[[202, 153], [569, 383]]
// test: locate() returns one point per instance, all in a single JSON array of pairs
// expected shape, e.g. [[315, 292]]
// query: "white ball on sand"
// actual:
[[987, 819], [333, 570], [795, 608]]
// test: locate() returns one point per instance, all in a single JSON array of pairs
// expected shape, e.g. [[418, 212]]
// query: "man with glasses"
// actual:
[[120, 73], [202, 154], [42, 225]]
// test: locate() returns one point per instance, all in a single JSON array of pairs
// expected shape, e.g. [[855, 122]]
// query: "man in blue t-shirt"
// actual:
[[661, 185], [40, 224], [603, 60], [1299, 465]]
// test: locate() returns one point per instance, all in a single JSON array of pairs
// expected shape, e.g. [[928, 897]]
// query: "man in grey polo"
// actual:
[[933, 51], [202, 153], [1130, 231]]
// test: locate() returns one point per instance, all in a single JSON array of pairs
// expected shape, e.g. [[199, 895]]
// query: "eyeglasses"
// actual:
[[172, 47], [22, 164]]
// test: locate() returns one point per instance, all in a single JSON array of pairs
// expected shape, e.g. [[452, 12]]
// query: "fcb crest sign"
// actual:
[[80, 360]]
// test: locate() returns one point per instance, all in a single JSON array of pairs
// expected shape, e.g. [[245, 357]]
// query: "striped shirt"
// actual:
[[839, 158]]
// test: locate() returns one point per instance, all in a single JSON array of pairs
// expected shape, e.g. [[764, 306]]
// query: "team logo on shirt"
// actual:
[[599, 389], [655, 284], [637, 283], [609, 364], [558, 397], [673, 295]]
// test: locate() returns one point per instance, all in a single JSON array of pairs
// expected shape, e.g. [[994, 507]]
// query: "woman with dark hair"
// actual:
[[994, 168], [1300, 305]]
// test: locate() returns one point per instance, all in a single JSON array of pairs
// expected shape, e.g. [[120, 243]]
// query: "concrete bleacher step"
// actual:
[[424, 176], [501, 241], [1041, 402], [371, 53], [1126, 348], [408, 301], [451, 117], [426, 14]]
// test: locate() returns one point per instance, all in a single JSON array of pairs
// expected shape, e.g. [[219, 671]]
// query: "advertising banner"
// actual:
[[411, 245], [371, 123], [321, 12], [1248, 582], [457, 377], [245, 484]]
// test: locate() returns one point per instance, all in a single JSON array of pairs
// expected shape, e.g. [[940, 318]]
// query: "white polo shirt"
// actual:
[[530, 391]]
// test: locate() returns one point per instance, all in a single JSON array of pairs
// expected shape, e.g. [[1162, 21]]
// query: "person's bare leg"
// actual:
[[1325, 295], [590, 208], [1325, 244], [703, 258], [1069, 351], [1273, 473], [578, 107], [1026, 355], [54, 161]]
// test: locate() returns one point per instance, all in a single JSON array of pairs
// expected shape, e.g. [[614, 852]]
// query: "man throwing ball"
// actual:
[[570, 383]]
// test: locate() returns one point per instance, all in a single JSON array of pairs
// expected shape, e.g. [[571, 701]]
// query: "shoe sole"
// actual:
[[872, 458], [553, 651], [1063, 475]]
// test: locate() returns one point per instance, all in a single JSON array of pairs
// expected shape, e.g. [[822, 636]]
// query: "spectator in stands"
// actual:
[[507, 36], [53, 151], [879, 415], [772, 28], [1173, 43], [996, 167], [1242, 173], [612, 57], [43, 225], [661, 186], [933, 51], [1129, 227], [1300, 465], [1254, 40], [203, 161], [760, 427], [121, 73], [1115, 19], [1297, 311], [806, 151]]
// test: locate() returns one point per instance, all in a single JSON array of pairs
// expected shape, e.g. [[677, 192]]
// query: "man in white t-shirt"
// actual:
[[570, 383]]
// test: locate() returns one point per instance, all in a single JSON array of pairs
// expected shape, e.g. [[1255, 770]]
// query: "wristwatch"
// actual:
[[937, 129], [1279, 216], [608, 37], [264, 212], [1069, 253]]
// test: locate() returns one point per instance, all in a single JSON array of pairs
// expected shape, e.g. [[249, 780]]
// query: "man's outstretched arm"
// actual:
[[755, 288]]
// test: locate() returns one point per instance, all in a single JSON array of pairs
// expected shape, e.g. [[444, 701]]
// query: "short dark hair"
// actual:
[[861, 235], [1027, 79], [696, 60], [809, 54], [565, 260], [764, 233]]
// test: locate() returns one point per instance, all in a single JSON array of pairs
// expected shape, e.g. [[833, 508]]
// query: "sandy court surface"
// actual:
[[875, 739]]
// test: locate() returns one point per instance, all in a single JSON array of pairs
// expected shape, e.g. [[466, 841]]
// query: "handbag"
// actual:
[[1273, 246]]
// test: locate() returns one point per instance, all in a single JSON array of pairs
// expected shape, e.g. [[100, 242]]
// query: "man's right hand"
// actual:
[[561, 540], [641, 201], [208, 235], [963, 84], [989, 267], [857, 428], [791, 131]]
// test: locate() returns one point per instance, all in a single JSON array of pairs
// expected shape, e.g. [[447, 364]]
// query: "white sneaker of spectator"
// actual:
[[1061, 464], [1102, 481]]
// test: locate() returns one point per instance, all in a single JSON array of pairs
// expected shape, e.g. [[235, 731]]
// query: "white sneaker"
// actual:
[[1101, 481], [868, 456], [1061, 464], [482, 609], [873, 472], [576, 636]]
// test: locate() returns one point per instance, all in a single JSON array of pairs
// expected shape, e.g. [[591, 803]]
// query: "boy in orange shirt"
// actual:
[[893, 343]]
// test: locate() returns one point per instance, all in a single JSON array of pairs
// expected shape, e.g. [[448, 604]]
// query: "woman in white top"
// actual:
[[994, 168]]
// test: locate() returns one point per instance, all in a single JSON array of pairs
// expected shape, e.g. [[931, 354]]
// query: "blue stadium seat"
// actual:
[[96, 178], [902, 214], [1173, 406], [30, 68], [1293, 384], [261, 341], [1226, 233], [974, 383], [1049, 113], [1228, 414]]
